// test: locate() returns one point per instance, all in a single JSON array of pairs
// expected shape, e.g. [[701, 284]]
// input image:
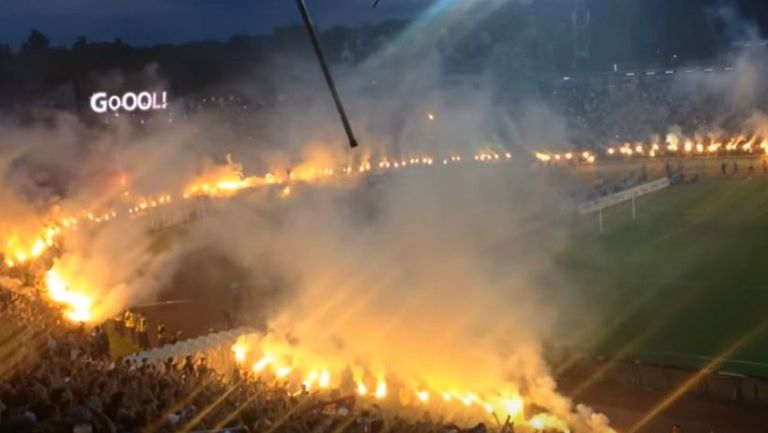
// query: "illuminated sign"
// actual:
[[101, 102]]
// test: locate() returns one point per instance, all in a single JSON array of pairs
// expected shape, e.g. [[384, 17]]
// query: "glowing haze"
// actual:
[[424, 288], [417, 282], [435, 280]]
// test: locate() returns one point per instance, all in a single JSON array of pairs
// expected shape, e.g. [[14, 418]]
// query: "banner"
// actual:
[[622, 196]]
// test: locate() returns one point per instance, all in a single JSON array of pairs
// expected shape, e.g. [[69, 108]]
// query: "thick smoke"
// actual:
[[734, 92], [438, 274], [732, 98], [441, 275], [57, 167]]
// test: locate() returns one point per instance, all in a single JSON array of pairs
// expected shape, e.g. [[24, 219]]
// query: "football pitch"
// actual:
[[683, 283]]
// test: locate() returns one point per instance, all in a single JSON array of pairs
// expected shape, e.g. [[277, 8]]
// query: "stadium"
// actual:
[[438, 216]]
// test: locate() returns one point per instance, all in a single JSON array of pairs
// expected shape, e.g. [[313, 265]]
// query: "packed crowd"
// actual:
[[58, 377], [610, 107]]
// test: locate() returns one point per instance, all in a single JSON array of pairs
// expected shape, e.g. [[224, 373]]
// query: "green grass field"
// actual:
[[685, 280]]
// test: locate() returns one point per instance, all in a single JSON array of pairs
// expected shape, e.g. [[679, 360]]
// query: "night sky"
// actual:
[[143, 22]]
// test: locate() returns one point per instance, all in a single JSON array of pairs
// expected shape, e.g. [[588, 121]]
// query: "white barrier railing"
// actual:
[[622, 196], [216, 347]]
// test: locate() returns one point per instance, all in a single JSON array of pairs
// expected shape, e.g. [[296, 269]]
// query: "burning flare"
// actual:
[[310, 372], [77, 306], [20, 249], [223, 181]]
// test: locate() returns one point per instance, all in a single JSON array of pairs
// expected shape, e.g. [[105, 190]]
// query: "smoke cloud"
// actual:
[[440, 275]]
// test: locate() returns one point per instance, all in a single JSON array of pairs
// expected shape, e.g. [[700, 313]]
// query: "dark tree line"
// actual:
[[520, 40], [39, 69]]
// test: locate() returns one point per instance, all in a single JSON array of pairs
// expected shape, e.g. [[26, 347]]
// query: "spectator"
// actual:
[[130, 325], [161, 335], [118, 324], [176, 337], [142, 332]]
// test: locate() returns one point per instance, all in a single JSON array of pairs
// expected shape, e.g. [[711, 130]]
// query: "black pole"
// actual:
[[326, 72]]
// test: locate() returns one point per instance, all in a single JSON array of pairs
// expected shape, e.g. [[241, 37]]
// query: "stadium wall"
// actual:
[[638, 376]]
